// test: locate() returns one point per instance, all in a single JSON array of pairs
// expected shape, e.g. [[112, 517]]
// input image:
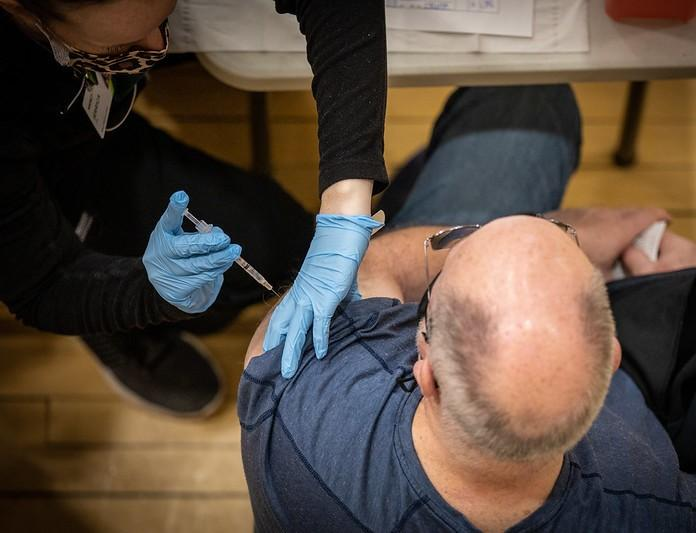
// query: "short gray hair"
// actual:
[[462, 336]]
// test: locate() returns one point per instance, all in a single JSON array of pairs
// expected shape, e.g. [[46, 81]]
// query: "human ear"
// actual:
[[616, 355], [423, 371]]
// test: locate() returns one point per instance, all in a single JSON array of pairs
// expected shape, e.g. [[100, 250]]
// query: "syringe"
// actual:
[[203, 227], [255, 274]]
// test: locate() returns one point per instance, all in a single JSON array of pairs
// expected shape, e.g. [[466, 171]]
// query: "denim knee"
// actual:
[[546, 108]]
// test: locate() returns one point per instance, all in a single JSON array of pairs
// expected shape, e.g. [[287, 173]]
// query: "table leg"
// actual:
[[626, 152], [260, 137]]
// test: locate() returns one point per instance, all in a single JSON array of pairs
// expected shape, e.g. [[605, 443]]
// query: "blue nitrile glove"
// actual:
[[187, 269], [327, 277]]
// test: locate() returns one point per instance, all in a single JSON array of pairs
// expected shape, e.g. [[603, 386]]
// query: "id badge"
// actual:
[[97, 102]]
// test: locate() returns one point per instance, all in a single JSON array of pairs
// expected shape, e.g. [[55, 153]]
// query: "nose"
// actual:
[[154, 41]]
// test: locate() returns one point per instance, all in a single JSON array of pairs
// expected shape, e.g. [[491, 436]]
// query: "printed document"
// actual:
[[560, 26], [493, 17]]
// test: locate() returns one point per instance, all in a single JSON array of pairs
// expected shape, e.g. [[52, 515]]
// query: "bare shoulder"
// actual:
[[394, 265], [376, 276], [255, 347]]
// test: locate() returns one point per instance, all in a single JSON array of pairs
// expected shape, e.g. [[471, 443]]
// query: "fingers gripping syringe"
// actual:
[[203, 227]]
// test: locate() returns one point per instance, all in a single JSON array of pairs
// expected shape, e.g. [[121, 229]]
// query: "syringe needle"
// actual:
[[255, 275]]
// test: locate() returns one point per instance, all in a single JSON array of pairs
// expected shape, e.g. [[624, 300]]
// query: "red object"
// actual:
[[651, 9]]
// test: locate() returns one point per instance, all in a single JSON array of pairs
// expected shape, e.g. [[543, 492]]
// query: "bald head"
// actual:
[[521, 338]]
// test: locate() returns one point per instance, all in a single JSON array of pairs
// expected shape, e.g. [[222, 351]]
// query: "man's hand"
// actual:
[[605, 233], [675, 253]]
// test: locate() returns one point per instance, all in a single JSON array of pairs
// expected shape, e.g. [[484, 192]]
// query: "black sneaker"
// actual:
[[161, 368]]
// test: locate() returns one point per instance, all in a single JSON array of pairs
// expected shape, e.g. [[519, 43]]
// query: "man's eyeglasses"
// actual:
[[447, 238]]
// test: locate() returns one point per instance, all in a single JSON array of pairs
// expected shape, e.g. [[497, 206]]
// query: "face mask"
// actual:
[[131, 62]]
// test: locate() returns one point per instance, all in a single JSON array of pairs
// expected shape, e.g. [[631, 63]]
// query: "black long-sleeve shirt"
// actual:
[[346, 47], [48, 279]]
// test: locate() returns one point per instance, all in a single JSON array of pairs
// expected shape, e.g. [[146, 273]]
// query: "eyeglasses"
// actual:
[[447, 238]]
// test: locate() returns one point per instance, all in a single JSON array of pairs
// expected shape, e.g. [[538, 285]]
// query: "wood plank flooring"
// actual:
[[75, 457]]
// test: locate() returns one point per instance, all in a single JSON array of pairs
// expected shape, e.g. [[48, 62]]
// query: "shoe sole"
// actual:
[[208, 410]]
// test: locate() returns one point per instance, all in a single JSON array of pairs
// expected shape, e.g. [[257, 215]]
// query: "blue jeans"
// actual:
[[494, 151]]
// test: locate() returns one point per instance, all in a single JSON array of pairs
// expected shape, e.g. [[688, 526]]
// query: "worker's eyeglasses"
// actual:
[[447, 238]]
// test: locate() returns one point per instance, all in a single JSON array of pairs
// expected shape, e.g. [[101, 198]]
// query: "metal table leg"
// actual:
[[260, 137], [626, 152]]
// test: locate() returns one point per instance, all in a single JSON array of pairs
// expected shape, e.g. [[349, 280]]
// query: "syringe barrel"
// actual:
[[253, 273], [203, 227]]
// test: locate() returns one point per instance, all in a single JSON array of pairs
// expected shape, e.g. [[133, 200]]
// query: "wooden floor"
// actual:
[[76, 458]]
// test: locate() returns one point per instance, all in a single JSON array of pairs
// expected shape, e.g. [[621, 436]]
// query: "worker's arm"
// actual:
[[48, 279], [53, 283], [346, 48]]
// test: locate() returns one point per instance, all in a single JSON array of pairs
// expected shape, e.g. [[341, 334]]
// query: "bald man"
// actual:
[[496, 404], [513, 368]]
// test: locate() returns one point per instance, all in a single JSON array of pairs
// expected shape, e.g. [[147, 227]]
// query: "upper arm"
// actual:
[[48, 279], [394, 265], [255, 347], [34, 235]]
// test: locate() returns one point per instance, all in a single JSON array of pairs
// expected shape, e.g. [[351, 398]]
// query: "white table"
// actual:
[[618, 51]]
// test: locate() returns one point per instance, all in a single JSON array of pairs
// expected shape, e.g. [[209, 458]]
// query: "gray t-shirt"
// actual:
[[331, 449]]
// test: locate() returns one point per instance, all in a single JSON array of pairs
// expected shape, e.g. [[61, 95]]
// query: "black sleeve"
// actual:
[[346, 47], [47, 278]]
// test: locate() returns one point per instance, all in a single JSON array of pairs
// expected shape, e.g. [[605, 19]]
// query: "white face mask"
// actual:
[[131, 62]]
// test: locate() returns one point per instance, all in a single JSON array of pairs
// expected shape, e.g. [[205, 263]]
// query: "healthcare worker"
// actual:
[[86, 248]]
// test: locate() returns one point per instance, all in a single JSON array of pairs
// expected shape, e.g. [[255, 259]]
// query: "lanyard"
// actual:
[[98, 93]]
